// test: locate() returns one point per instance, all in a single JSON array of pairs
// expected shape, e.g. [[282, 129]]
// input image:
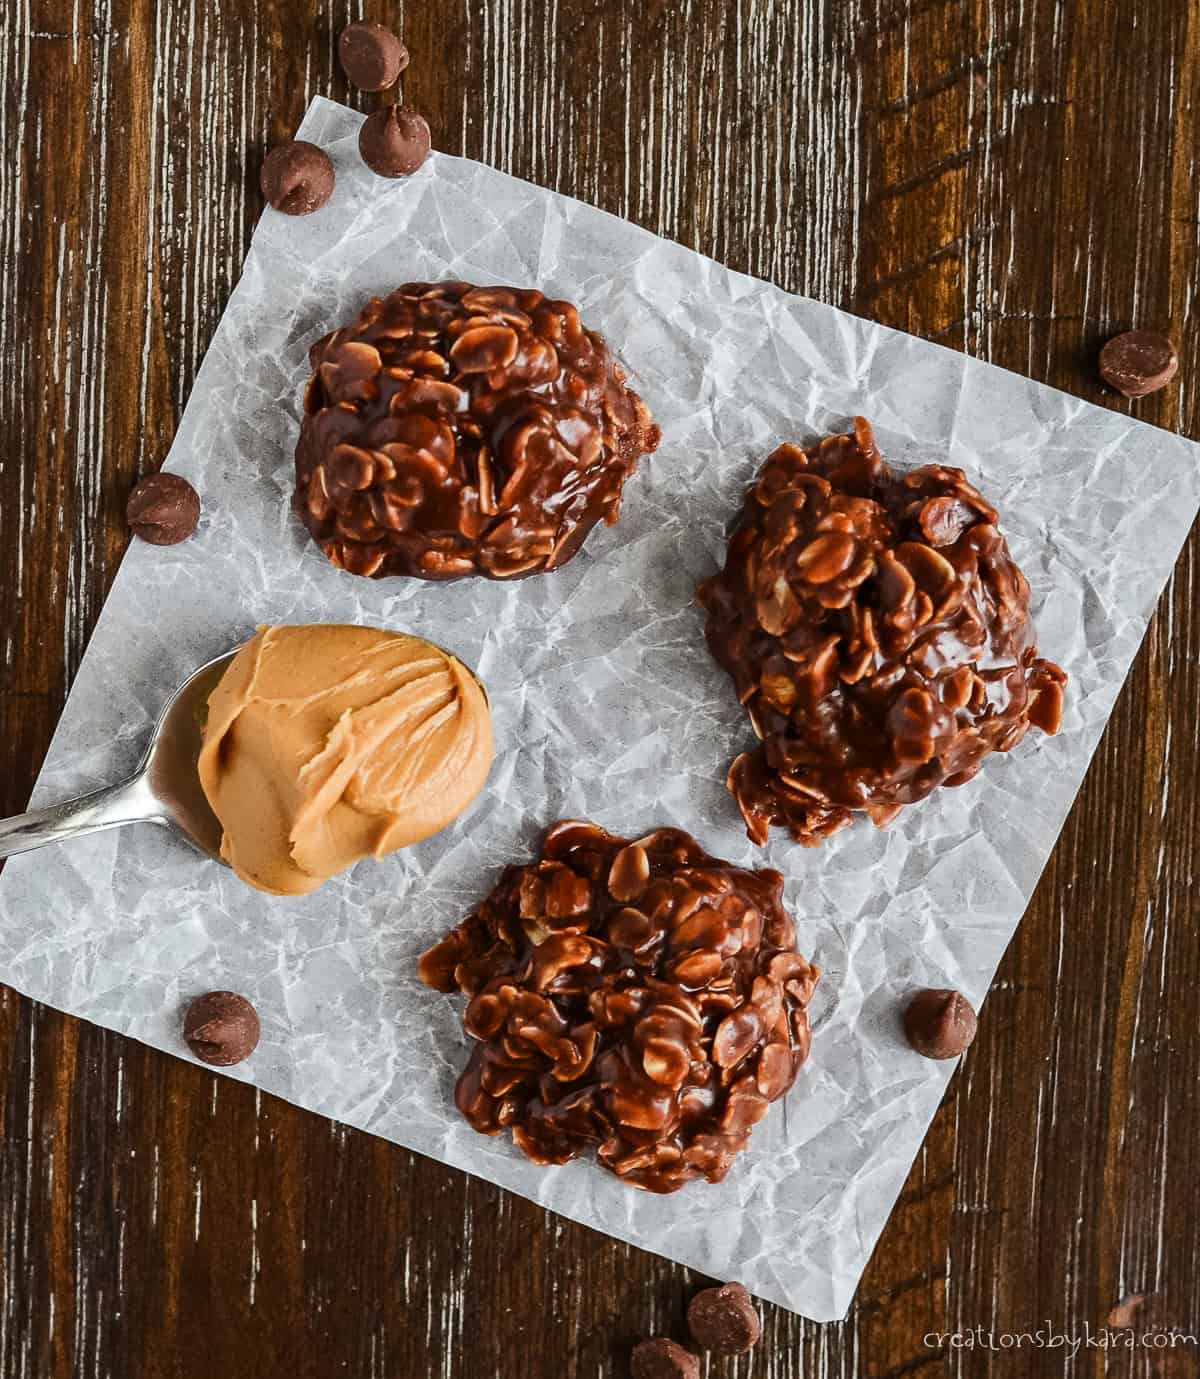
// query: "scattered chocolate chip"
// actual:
[[221, 1028], [940, 1024], [394, 141], [663, 1359], [163, 509], [297, 178], [371, 56], [1125, 1313], [724, 1319], [1139, 362]]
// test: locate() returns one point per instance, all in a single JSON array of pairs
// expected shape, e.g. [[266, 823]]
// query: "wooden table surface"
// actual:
[[1012, 178]]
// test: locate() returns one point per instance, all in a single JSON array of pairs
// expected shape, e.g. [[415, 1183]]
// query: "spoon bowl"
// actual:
[[164, 790]]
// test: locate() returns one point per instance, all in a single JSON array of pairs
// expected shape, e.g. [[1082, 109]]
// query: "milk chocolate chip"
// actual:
[[297, 178], [724, 1319], [221, 1028], [1139, 362], [940, 1023], [371, 56], [663, 1359], [163, 509], [394, 141]]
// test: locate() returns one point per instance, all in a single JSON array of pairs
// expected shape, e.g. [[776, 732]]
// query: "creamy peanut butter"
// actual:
[[326, 744]]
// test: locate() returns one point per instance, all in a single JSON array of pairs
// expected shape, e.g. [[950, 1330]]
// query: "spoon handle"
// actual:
[[129, 802]]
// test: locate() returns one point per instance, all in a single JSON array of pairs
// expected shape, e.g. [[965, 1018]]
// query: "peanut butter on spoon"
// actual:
[[329, 743]]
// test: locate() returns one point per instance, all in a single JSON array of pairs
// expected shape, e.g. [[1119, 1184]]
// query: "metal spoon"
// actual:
[[165, 789]]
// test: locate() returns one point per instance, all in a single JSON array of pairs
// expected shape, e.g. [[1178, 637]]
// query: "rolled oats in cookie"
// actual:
[[878, 633], [639, 1000], [454, 430]]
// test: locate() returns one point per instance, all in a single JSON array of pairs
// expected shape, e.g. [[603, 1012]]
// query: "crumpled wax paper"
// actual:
[[607, 706]]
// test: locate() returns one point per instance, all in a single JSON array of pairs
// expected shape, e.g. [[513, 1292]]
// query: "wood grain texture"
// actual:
[[1014, 178]]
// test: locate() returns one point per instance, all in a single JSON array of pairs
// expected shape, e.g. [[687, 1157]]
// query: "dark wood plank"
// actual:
[[1015, 178]]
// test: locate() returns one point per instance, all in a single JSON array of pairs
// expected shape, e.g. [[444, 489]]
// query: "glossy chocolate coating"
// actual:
[[877, 631], [455, 430], [640, 999]]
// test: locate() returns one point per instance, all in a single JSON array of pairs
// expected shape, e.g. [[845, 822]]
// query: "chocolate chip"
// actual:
[[1124, 1314], [1139, 362], [940, 1024], [724, 1319], [371, 56], [394, 141], [297, 178], [221, 1028], [663, 1359], [163, 509]]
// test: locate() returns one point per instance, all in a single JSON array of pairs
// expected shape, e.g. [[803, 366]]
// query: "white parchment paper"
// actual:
[[606, 704]]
